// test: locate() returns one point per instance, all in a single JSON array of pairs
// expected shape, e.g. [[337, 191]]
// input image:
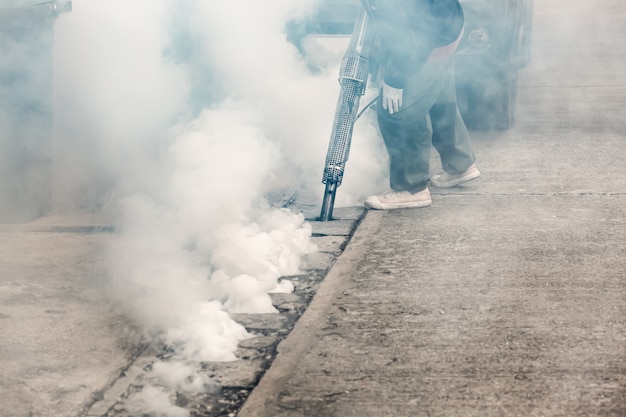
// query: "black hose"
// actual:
[[365, 108]]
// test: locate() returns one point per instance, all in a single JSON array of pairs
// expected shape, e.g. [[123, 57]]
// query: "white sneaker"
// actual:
[[446, 180], [399, 199]]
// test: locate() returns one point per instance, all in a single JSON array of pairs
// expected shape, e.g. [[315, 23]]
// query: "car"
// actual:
[[26, 106], [496, 44]]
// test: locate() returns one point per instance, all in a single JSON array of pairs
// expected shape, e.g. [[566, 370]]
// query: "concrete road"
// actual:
[[507, 297], [61, 342]]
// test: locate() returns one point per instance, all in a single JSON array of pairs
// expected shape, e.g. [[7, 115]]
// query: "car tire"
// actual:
[[523, 44], [491, 104]]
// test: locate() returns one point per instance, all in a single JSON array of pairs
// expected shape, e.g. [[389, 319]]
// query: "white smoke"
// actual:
[[153, 401], [177, 119]]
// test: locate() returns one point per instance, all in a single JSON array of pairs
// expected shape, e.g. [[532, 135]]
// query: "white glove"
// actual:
[[392, 98]]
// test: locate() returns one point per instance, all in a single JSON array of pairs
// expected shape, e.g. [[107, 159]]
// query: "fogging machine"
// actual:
[[355, 69]]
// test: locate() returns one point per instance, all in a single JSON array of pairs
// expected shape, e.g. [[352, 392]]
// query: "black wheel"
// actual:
[[490, 104]]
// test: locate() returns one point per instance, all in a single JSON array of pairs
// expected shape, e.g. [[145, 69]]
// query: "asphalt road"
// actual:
[[507, 297]]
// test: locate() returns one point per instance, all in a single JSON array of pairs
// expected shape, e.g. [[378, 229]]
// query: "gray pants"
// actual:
[[429, 114]]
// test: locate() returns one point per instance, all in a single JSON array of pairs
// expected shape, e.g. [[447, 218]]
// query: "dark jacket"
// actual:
[[409, 30]]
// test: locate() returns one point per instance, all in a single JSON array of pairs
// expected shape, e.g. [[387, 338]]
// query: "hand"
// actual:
[[392, 98]]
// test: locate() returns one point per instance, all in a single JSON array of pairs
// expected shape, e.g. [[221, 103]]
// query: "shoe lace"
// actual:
[[390, 195]]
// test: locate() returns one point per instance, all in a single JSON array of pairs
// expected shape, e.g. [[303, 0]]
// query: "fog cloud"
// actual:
[[178, 122]]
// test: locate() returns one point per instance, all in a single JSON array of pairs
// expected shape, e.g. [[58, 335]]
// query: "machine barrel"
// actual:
[[353, 81]]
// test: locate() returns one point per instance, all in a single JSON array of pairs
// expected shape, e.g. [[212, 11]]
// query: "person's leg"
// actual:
[[407, 137], [450, 135], [408, 134]]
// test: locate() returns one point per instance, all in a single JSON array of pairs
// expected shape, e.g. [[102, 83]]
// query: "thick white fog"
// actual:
[[175, 120], [180, 123]]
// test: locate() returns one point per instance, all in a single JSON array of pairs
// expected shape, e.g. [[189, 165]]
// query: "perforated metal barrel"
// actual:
[[353, 81], [341, 136]]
